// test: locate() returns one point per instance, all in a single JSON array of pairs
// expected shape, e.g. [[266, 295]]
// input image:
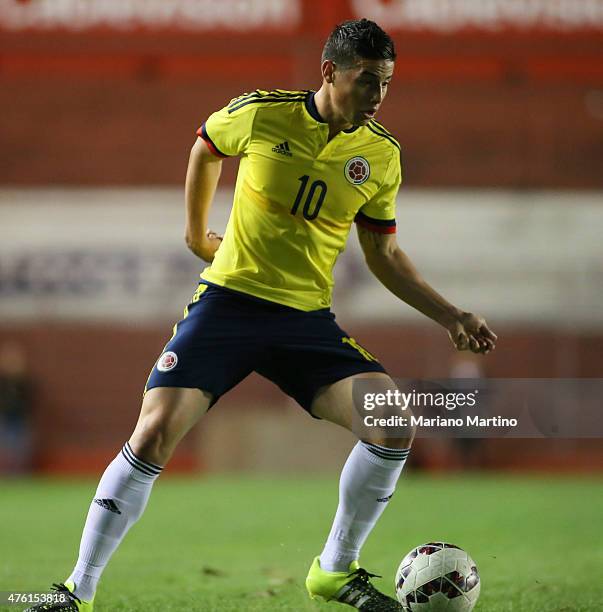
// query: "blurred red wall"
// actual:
[[506, 108], [89, 380]]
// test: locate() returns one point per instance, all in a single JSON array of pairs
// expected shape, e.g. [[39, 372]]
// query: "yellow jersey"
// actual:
[[296, 195]]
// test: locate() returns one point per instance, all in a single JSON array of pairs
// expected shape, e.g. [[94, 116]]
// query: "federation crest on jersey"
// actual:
[[357, 170], [167, 361]]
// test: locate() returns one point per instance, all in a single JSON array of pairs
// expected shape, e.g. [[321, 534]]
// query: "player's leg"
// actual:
[[314, 361], [167, 414], [370, 474], [366, 485], [123, 491], [200, 355], [335, 403]]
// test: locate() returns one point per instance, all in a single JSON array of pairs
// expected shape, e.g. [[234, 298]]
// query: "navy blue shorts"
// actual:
[[225, 335]]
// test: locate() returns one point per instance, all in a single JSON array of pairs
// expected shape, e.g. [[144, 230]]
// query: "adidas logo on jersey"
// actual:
[[283, 149], [108, 504]]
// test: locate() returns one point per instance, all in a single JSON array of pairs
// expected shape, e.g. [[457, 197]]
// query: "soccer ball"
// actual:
[[437, 576]]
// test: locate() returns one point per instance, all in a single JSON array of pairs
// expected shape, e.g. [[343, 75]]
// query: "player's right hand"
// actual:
[[213, 243], [213, 235]]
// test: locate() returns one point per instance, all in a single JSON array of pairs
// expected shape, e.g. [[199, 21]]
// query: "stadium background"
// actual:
[[498, 107]]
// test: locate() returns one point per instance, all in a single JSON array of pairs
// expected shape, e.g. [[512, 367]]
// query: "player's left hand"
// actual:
[[470, 332]]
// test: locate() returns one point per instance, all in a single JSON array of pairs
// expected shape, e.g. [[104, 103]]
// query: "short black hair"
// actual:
[[355, 39]]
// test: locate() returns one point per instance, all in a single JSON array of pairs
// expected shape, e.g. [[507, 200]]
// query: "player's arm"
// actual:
[[395, 270], [202, 176]]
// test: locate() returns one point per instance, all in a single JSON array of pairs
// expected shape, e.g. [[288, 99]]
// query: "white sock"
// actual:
[[367, 482], [119, 502]]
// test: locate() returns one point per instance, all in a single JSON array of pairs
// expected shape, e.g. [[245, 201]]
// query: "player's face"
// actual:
[[360, 90]]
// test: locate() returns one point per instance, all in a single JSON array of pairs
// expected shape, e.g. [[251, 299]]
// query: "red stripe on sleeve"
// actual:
[[210, 145], [379, 229]]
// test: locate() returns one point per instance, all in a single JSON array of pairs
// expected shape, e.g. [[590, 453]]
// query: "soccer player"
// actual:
[[312, 163]]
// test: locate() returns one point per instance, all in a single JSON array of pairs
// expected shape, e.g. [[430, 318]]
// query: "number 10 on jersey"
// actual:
[[313, 200]]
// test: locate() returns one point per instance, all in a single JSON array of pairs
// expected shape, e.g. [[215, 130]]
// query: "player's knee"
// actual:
[[167, 415], [387, 425], [152, 439], [393, 437]]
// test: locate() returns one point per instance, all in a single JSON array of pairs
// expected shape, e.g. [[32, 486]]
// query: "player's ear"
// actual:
[[328, 69]]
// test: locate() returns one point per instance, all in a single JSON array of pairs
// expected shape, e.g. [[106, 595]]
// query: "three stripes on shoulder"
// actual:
[[284, 95], [261, 95]]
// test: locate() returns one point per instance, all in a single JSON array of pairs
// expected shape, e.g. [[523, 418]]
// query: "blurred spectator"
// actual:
[[15, 410], [468, 452]]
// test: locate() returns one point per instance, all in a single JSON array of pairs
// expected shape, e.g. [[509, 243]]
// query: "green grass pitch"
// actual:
[[245, 543]]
